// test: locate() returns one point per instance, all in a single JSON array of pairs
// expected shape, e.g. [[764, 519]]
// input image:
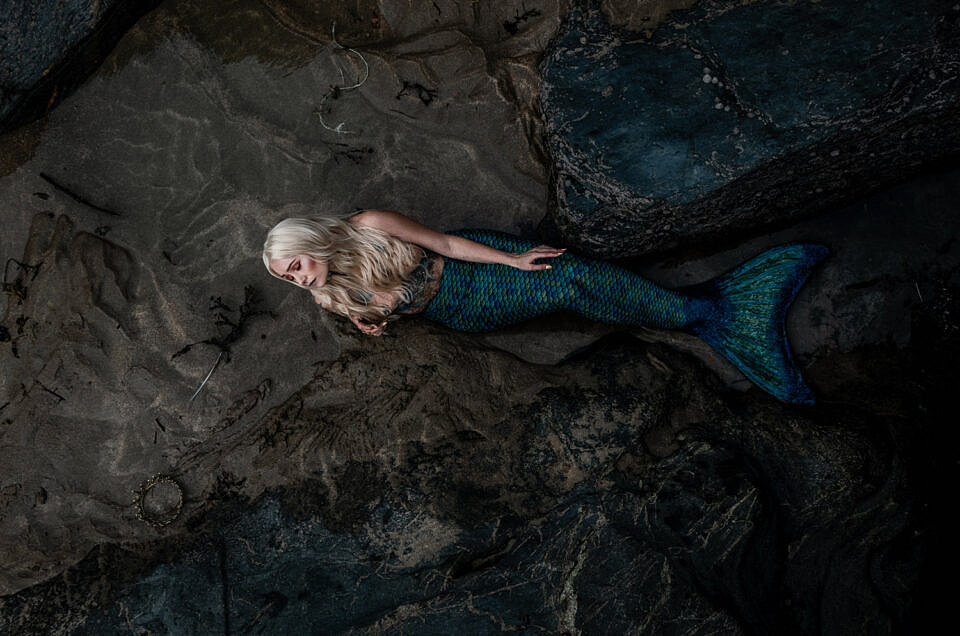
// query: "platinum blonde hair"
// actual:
[[361, 260]]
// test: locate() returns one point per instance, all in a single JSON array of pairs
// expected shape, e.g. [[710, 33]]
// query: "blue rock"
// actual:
[[729, 118], [36, 35], [48, 48]]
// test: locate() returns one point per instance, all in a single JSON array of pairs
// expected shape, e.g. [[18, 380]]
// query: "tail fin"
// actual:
[[747, 325]]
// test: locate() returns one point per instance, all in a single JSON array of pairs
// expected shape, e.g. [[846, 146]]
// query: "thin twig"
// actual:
[[366, 67], [212, 369], [336, 90], [76, 197], [51, 392]]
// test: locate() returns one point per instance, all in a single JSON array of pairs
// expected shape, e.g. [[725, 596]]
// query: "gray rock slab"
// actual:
[[47, 50], [170, 165], [440, 481], [605, 492], [732, 118]]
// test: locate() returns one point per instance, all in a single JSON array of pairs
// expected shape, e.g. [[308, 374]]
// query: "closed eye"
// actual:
[[291, 267]]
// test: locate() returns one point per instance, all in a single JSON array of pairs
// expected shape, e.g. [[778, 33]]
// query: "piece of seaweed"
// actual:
[[247, 311]]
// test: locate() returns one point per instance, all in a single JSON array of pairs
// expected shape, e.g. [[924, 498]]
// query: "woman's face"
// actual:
[[301, 269]]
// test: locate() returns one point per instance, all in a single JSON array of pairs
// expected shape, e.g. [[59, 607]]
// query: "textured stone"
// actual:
[[641, 15], [36, 37], [546, 511], [170, 165], [555, 476], [49, 47], [731, 117]]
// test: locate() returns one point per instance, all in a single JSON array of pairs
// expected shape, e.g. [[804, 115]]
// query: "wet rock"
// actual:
[[729, 118], [556, 476], [50, 48], [638, 15], [545, 513]]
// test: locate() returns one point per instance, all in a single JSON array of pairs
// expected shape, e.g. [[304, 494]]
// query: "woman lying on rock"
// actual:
[[378, 263]]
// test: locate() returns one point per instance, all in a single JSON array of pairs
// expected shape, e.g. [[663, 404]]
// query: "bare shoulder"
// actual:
[[401, 227], [377, 218]]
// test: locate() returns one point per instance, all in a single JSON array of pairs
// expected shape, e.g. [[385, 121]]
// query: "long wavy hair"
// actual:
[[361, 260]]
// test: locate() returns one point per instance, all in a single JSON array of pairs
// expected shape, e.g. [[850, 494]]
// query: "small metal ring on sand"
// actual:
[[155, 519]]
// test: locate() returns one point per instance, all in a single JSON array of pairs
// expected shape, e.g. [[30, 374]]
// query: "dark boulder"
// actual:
[[729, 118], [49, 49]]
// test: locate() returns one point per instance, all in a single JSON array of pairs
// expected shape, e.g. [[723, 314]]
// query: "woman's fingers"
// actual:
[[368, 328], [543, 251]]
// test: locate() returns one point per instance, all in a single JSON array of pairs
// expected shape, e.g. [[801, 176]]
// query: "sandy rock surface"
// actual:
[[556, 476], [144, 208]]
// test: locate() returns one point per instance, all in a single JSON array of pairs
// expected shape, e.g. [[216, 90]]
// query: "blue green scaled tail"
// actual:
[[746, 319], [741, 314]]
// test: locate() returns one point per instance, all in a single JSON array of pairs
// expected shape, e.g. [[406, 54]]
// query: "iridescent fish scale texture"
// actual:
[[741, 314], [484, 296]]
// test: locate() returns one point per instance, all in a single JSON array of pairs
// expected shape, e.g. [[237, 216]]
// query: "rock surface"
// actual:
[[49, 47], [149, 195], [732, 118], [556, 476]]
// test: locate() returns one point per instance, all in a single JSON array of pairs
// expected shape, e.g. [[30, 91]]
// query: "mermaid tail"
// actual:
[[741, 314], [746, 323]]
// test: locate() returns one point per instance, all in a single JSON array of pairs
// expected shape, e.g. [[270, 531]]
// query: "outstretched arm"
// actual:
[[407, 229]]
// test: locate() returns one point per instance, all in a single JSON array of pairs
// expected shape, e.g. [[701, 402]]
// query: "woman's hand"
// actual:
[[369, 328], [525, 261]]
